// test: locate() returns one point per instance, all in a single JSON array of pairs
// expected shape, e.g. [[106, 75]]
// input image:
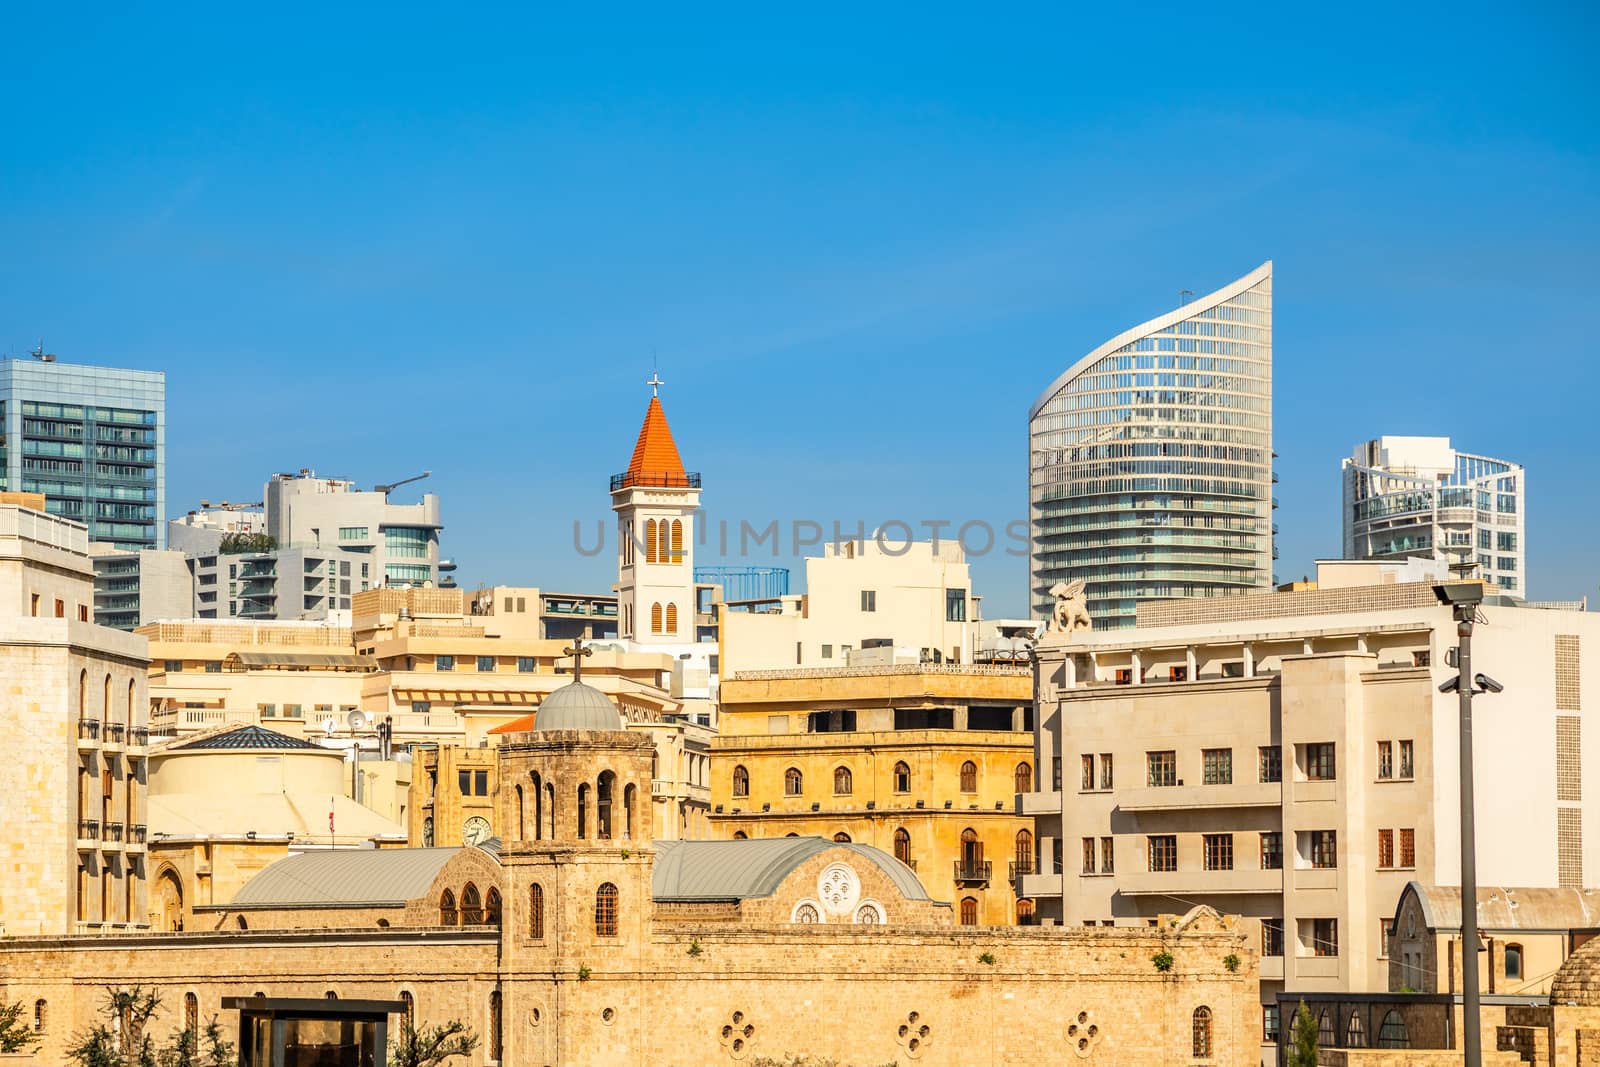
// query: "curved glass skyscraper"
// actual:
[[1150, 459]]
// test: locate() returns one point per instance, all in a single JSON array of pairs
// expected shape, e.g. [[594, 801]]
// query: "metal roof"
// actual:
[[246, 660], [1509, 908], [345, 878], [577, 707], [737, 870], [246, 737]]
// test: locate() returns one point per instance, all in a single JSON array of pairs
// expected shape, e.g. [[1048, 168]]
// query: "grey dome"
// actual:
[[577, 707]]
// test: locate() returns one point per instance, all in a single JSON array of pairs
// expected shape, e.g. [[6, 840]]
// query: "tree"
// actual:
[[128, 1045], [236, 544], [1304, 1053], [15, 1033], [431, 1046]]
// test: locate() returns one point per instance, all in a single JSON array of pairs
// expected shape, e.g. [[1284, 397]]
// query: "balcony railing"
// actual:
[[116, 733], [656, 479], [89, 829], [113, 831], [136, 833], [1018, 868], [139, 735], [88, 729], [973, 871]]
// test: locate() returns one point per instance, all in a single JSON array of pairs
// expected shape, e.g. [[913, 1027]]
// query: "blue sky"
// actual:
[[858, 242]]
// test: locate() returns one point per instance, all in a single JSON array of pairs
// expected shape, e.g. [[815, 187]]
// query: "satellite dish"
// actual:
[[356, 720], [329, 725]]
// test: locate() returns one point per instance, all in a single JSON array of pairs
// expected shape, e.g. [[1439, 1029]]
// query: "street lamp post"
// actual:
[[1463, 599]]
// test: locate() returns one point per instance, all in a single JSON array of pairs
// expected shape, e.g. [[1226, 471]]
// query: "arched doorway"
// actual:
[[169, 901]]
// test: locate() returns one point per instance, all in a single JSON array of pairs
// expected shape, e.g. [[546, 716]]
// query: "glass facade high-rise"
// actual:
[[1150, 460], [93, 441]]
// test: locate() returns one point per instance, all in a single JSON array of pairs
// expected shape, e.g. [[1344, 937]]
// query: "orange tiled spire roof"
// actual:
[[655, 455]]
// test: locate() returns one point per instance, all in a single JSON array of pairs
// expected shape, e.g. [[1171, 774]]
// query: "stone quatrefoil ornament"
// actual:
[[1083, 1034]]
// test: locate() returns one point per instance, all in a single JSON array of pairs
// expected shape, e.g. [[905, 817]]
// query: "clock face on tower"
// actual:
[[475, 831]]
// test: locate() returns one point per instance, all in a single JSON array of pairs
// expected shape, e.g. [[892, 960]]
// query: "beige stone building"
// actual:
[[75, 734], [1289, 757], [582, 940], [922, 761], [867, 602]]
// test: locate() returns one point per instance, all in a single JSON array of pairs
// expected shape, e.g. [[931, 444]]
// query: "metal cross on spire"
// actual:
[[655, 383], [577, 652]]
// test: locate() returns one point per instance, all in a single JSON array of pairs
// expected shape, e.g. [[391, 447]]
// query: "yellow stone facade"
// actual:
[[926, 767]]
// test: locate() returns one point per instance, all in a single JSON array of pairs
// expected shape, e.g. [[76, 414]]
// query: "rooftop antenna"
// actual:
[[41, 355], [1184, 296]]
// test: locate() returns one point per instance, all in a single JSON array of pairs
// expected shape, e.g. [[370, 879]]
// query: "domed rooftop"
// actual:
[[577, 707], [1578, 980]]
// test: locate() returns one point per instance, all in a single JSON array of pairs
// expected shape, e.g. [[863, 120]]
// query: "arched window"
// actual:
[[741, 782], [105, 702], [650, 541], [792, 782], [602, 793], [1392, 1034], [677, 541], [971, 852], [191, 1013], [1023, 855], [583, 810], [664, 549], [39, 1008], [605, 911], [902, 778], [1513, 963], [491, 907], [239, 921], [83, 695], [1024, 913], [1355, 1034], [130, 704], [1325, 1029], [969, 777], [521, 826], [655, 618], [550, 809], [740, 835], [841, 838], [1202, 1032], [330, 995], [471, 906], [629, 795], [672, 618], [902, 846], [969, 911], [841, 781], [1022, 778], [411, 1007], [536, 911], [496, 1040], [627, 544]]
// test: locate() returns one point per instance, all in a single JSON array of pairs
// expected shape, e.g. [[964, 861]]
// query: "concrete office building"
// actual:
[[1417, 496], [1288, 757], [1150, 460], [132, 588], [93, 441]]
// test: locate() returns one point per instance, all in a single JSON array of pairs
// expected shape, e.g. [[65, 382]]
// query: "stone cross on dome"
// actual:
[[577, 652]]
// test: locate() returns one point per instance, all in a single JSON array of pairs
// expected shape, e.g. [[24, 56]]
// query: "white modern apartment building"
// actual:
[[866, 603], [1150, 460], [1288, 757], [1417, 496]]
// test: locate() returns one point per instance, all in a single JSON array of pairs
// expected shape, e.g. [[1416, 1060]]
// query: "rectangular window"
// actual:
[[869, 600], [1272, 937], [421, 706], [1505, 542], [1385, 849], [526, 665], [292, 711], [485, 664], [1107, 856], [1162, 768], [1320, 766], [1422, 658], [1217, 764], [464, 781], [267, 711], [1105, 770], [1233, 670], [1408, 848], [480, 783], [1088, 772], [1385, 760], [827, 651], [1163, 852], [1055, 774], [1088, 855], [353, 533], [1325, 937], [174, 666], [1324, 849], [1219, 852], [1271, 763], [213, 666], [1272, 850], [1269, 1019], [444, 663], [955, 605], [1405, 759]]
